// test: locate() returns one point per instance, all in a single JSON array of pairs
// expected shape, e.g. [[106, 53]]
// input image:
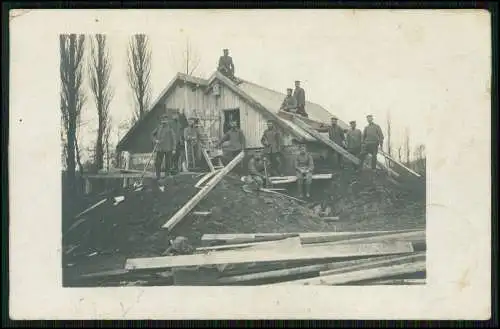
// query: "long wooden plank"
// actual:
[[265, 244], [228, 237], [399, 282], [417, 236], [364, 271], [326, 141], [351, 277], [273, 274], [90, 208], [377, 263], [205, 178], [387, 156], [249, 256], [181, 213], [343, 266], [293, 179]]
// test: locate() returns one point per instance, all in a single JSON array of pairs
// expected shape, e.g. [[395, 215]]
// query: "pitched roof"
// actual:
[[272, 100], [263, 99]]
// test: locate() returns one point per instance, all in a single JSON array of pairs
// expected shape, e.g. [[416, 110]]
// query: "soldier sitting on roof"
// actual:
[[289, 103], [226, 65]]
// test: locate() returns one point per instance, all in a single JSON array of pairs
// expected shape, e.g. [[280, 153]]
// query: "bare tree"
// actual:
[[107, 134], [190, 59], [72, 97], [99, 74], [139, 72], [400, 157], [389, 146], [407, 145]]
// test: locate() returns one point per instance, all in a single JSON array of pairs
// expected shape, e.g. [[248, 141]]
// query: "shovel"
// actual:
[[140, 183]]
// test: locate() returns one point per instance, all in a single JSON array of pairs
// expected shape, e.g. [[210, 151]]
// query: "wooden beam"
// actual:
[[90, 208], [417, 236], [374, 273], [249, 256], [365, 270], [342, 266], [326, 141], [292, 179], [181, 213], [399, 282], [307, 237], [387, 156], [377, 263], [273, 274], [205, 178]]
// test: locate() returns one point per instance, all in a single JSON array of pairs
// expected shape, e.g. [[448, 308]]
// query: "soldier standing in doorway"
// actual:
[[236, 140]]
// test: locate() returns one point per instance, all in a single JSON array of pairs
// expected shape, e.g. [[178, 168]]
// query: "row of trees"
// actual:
[[74, 69], [415, 160]]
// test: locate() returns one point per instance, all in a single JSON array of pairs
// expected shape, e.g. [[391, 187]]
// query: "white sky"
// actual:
[[351, 62]]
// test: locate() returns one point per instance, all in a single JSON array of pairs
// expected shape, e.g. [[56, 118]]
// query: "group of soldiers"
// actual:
[[169, 140], [176, 134], [294, 102], [358, 143]]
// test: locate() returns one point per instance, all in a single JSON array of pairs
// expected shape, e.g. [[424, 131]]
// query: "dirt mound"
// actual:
[[133, 227], [368, 200]]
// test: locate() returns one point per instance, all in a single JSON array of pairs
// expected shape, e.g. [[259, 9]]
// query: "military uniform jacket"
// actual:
[[300, 96], [336, 134], [271, 139], [166, 137]]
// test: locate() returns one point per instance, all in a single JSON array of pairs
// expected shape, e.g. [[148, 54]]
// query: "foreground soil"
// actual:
[[103, 238]]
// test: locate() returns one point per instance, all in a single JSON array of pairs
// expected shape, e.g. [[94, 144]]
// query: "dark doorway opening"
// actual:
[[231, 115]]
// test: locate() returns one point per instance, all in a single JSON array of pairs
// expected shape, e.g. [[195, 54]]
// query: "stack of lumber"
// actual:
[[322, 258]]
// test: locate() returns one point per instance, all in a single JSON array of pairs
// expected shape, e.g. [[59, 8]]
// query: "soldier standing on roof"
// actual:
[[165, 141], [353, 139], [226, 65], [372, 138], [271, 139], [300, 97], [304, 166], [236, 140], [289, 103], [336, 135]]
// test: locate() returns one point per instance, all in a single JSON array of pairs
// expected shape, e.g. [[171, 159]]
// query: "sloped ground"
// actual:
[[109, 234]]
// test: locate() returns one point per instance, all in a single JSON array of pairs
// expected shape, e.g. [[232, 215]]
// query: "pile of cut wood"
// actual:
[[323, 258]]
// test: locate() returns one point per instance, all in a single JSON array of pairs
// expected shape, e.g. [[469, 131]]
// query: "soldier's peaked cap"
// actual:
[[353, 121], [369, 116]]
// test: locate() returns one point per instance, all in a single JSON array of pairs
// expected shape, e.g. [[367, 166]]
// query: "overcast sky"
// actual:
[[353, 63]]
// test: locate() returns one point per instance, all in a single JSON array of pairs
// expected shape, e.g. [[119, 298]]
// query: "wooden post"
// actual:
[[179, 215]]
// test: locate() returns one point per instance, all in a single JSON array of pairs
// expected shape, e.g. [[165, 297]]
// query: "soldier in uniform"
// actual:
[[336, 135], [192, 138], [271, 139], [236, 140], [372, 139], [226, 65], [289, 103], [353, 139], [300, 96], [165, 140], [256, 173], [304, 166]]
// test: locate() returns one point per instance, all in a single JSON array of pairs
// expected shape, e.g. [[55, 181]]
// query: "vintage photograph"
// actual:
[[251, 164], [186, 163]]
